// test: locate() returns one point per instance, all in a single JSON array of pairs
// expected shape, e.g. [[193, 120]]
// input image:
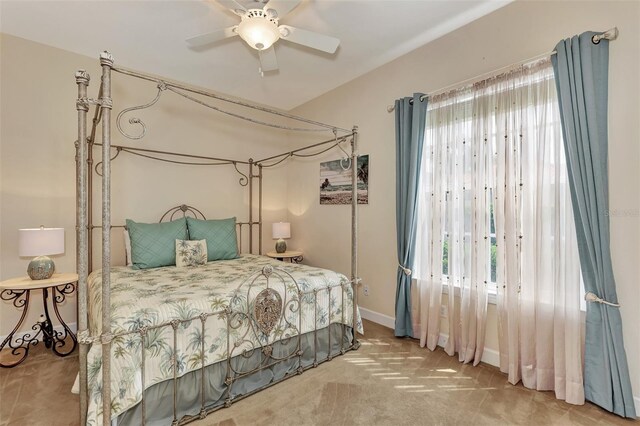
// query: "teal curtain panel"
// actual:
[[581, 74], [410, 125]]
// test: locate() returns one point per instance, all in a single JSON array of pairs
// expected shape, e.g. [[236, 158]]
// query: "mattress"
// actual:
[[142, 299]]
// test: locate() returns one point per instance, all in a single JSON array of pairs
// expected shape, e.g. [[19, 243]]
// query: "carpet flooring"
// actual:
[[388, 381]]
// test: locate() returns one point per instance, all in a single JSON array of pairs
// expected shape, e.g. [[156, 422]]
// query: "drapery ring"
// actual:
[[591, 297]]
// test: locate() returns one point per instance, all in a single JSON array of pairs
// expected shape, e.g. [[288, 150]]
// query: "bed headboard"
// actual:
[[186, 210], [182, 210]]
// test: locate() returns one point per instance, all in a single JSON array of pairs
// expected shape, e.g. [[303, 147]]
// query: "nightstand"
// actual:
[[18, 291], [293, 256]]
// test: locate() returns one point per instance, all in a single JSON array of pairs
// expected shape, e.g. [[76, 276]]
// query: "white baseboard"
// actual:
[[73, 326], [489, 356], [378, 318]]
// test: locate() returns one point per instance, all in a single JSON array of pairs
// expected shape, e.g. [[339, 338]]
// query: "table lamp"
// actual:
[[40, 242], [281, 230]]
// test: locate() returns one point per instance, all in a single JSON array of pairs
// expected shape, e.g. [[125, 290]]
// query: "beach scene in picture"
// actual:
[[335, 181]]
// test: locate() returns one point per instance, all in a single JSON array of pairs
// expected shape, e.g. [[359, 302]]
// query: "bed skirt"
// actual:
[[159, 397]]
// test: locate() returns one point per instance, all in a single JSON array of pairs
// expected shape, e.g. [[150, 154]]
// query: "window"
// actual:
[[490, 180]]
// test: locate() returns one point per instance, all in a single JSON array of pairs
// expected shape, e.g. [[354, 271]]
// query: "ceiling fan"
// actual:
[[259, 28]]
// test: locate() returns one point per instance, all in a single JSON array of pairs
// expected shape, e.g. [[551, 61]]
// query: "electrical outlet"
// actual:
[[443, 311], [366, 290]]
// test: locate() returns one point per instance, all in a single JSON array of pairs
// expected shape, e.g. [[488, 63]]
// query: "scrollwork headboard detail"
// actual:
[[185, 209], [189, 211]]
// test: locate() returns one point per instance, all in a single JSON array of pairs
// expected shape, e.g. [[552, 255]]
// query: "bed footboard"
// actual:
[[273, 328]]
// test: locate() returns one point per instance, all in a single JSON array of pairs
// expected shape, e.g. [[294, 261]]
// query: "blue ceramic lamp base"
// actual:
[[41, 268]]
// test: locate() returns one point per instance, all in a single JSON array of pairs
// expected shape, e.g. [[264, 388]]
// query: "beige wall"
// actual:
[[37, 130], [37, 167], [514, 33]]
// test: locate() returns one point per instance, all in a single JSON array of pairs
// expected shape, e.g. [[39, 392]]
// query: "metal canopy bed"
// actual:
[[273, 320]]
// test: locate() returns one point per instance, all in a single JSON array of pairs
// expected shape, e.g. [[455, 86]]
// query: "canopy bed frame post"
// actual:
[[106, 103], [260, 209], [354, 232], [82, 106], [251, 176], [89, 183], [90, 197]]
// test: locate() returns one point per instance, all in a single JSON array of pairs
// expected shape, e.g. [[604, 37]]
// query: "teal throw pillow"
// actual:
[[222, 243], [154, 244]]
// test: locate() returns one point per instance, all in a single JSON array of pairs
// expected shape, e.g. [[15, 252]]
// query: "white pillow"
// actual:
[[127, 247], [191, 253]]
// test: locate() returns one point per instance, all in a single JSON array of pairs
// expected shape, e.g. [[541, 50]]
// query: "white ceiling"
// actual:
[[149, 36]]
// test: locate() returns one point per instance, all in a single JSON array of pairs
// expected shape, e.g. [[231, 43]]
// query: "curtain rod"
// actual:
[[610, 34]]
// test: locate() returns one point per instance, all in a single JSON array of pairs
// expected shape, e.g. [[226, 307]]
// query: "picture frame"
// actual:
[[336, 181]]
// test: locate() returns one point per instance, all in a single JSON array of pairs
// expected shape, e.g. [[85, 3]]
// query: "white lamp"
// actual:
[[281, 230], [40, 242]]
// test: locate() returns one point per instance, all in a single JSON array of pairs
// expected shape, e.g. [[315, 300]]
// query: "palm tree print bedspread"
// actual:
[[142, 299]]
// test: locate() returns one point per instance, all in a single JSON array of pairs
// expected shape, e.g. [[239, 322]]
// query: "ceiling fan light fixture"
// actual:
[[258, 30]]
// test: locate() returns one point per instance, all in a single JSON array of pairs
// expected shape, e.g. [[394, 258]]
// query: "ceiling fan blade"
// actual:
[[212, 37], [233, 6], [309, 38], [282, 7], [268, 60]]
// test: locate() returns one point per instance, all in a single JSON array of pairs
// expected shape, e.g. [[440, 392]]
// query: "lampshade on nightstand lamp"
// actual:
[[40, 242], [281, 230]]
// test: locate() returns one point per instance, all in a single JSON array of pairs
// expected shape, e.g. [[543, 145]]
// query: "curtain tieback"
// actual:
[[590, 297], [406, 271]]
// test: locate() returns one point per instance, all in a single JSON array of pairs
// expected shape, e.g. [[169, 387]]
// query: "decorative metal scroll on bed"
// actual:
[[264, 309]]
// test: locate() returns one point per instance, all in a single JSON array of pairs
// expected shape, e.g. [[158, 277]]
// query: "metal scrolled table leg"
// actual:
[[46, 326], [18, 348], [59, 338]]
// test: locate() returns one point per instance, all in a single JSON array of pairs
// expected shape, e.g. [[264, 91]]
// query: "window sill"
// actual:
[[492, 298]]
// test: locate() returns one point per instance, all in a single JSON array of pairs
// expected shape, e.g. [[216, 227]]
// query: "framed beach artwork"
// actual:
[[335, 181]]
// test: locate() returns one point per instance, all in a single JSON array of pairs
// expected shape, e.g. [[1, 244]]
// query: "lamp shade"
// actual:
[[40, 241], [281, 230]]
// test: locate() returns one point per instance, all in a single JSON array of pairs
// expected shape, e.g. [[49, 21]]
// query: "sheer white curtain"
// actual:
[[453, 246], [496, 217]]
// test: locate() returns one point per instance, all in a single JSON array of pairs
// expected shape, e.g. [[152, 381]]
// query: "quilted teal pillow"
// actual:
[[222, 243], [154, 244]]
